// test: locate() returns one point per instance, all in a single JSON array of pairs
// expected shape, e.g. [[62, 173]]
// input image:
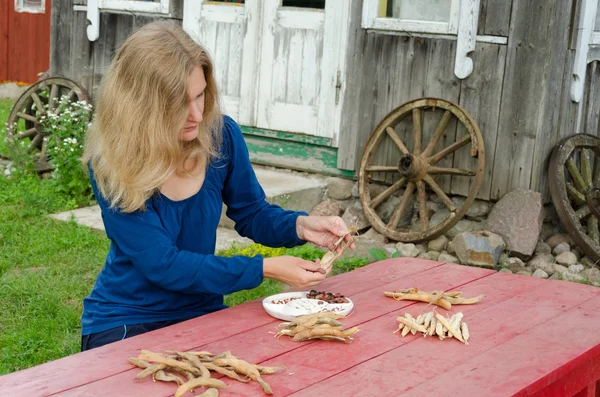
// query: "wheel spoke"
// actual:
[[392, 133], [575, 194], [395, 219], [35, 143], [435, 187], [27, 134], [582, 212], [449, 149], [381, 168], [586, 169], [593, 229], [451, 171], [70, 94], [418, 131], [438, 134], [423, 212], [387, 193], [53, 92], [27, 117], [577, 178], [38, 102]]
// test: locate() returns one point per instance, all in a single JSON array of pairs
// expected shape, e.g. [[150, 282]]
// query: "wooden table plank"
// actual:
[[259, 344], [529, 361], [426, 362], [89, 366]]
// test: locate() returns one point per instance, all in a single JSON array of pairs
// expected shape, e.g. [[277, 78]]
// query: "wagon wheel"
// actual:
[[574, 179], [24, 119], [417, 170]]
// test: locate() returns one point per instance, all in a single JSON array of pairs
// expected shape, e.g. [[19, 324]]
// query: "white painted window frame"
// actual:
[[464, 15], [588, 40], [142, 7], [20, 7]]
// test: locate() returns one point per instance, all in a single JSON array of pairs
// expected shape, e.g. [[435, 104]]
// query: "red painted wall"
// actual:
[[24, 43]]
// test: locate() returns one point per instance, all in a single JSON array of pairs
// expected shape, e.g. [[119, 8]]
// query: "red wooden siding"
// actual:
[[24, 43]]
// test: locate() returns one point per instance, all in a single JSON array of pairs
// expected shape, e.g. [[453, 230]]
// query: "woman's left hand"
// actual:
[[324, 231]]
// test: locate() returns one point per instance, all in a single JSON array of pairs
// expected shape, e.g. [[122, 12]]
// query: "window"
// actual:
[[320, 4], [425, 16], [588, 45], [31, 6]]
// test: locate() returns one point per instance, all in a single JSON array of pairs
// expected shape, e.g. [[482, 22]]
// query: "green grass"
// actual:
[[47, 268]]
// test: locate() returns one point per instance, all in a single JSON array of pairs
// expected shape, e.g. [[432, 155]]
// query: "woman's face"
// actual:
[[196, 86]]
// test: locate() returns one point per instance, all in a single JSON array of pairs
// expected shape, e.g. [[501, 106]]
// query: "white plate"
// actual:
[[302, 305]]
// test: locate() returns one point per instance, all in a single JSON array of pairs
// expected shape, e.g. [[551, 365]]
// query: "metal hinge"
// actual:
[[338, 87]]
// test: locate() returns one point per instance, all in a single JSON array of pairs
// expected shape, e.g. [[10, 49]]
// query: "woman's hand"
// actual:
[[324, 231], [297, 272]]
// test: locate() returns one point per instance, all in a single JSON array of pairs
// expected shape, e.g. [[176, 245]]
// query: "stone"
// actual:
[[556, 239], [560, 248], [505, 270], [539, 273], [363, 246], [439, 216], [518, 218], [555, 276], [408, 250], [450, 248], [327, 208], [354, 216], [422, 248], [339, 188], [587, 262], [542, 248], [515, 264], [433, 255], [372, 234], [593, 274], [447, 258], [438, 244], [387, 208], [423, 255], [566, 258], [464, 225], [574, 277], [560, 269], [477, 210], [577, 268], [478, 248], [546, 267], [524, 273]]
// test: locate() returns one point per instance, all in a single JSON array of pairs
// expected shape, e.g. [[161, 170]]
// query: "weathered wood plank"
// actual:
[[494, 17], [479, 96], [547, 131], [60, 38], [234, 72], [440, 82], [4, 32], [350, 134], [294, 64], [81, 59], [529, 112], [591, 117]]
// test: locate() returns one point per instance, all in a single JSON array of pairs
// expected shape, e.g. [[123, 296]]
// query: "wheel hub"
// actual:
[[412, 167]]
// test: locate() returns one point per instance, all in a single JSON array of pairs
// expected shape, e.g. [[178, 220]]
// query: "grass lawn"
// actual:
[[47, 268]]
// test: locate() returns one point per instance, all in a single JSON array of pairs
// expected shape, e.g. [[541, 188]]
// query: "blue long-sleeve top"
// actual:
[[161, 263]]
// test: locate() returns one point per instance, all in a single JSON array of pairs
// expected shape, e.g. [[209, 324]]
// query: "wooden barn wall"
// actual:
[[517, 93], [72, 55]]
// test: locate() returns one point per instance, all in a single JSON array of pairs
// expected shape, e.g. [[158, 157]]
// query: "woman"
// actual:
[[162, 161]]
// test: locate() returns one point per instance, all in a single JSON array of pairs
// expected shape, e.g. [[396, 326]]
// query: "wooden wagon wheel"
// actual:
[[417, 170], [574, 179], [24, 119]]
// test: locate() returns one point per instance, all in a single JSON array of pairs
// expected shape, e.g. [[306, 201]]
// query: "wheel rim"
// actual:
[[418, 169], [574, 180], [35, 102]]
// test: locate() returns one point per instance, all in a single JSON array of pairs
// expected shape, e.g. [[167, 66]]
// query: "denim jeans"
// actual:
[[98, 339]]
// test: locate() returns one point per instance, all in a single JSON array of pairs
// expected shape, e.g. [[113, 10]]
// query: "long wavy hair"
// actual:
[[133, 144]]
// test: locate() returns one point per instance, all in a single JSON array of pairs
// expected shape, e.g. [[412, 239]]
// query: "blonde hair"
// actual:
[[133, 144]]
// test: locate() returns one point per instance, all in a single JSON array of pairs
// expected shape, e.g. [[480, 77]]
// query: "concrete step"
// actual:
[[289, 190]]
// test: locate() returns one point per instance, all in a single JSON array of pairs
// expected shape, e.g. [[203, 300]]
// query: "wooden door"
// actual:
[[229, 31], [302, 51], [24, 39]]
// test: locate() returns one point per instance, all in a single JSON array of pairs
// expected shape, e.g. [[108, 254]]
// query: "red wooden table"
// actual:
[[529, 337]]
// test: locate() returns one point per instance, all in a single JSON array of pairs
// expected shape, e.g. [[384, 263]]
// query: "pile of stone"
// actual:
[[518, 234]]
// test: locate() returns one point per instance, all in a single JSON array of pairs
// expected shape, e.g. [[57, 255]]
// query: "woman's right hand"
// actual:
[[297, 272]]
